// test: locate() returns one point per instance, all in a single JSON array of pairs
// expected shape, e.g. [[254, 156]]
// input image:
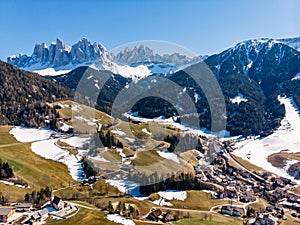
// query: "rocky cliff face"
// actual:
[[143, 54], [59, 54]]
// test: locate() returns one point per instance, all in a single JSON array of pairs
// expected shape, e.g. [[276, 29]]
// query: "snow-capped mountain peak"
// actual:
[[247, 57], [135, 63], [60, 56]]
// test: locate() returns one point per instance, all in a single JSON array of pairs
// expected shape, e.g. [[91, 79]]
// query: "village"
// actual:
[[223, 177], [244, 186], [240, 186]]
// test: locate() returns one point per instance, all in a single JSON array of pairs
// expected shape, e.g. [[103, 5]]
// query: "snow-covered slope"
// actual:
[[285, 138], [292, 42]]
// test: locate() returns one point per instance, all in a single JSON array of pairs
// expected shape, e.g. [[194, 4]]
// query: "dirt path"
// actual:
[[9, 145]]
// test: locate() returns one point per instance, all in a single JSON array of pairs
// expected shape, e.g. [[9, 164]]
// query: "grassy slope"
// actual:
[[279, 159], [149, 162], [86, 112], [84, 216], [261, 204], [198, 200], [35, 170], [247, 164]]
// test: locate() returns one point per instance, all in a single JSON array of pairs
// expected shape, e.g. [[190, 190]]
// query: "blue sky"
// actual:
[[203, 26]]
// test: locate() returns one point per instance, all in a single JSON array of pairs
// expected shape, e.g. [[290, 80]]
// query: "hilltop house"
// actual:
[[23, 207], [155, 215]]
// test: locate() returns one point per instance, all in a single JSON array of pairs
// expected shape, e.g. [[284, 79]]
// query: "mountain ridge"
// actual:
[[60, 58]]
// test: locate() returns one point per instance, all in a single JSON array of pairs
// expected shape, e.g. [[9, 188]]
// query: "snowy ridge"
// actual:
[[135, 63], [250, 53], [292, 42]]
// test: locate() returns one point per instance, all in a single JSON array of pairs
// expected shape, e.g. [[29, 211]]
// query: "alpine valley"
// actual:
[[105, 137]]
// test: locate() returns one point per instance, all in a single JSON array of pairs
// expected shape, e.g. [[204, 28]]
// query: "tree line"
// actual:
[[152, 183], [5, 170], [123, 210], [38, 198]]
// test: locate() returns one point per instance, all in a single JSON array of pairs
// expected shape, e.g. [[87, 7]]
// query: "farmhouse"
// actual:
[[6, 214], [265, 219], [232, 211], [23, 207], [37, 217], [155, 215]]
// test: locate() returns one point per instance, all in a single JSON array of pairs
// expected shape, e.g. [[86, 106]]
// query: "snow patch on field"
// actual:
[[120, 151], [118, 132], [146, 131], [168, 155], [76, 108], [98, 158], [210, 192], [47, 149], [127, 186], [170, 195], [30, 134], [90, 122], [130, 139], [173, 195], [183, 127], [76, 142], [65, 127], [119, 219], [51, 72], [286, 137], [162, 202]]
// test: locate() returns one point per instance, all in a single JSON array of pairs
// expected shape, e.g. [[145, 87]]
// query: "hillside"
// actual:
[[99, 85], [251, 76], [24, 97]]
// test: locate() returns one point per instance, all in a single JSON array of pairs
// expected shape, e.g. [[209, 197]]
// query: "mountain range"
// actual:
[[60, 58], [251, 75]]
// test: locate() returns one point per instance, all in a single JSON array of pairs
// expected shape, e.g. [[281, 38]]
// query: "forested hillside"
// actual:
[[24, 97]]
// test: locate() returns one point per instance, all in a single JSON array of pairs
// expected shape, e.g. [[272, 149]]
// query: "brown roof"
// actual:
[[5, 211], [23, 205]]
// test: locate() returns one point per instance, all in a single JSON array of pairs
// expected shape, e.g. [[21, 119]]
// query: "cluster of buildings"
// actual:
[[244, 186], [25, 214], [157, 215]]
